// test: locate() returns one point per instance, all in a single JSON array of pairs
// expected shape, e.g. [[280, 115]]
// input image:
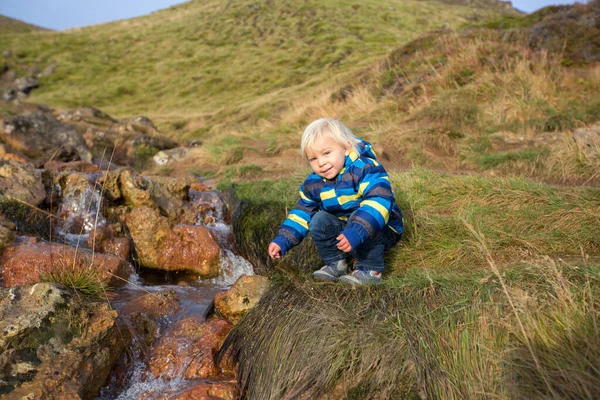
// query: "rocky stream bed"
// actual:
[[115, 285]]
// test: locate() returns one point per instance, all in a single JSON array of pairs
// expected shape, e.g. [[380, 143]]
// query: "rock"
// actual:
[[26, 263], [103, 240], [135, 190], [189, 349], [20, 181], [588, 140], [108, 183], [211, 391], [235, 302], [166, 194], [87, 114], [166, 157], [49, 70], [38, 133], [56, 345], [75, 166], [26, 84], [7, 54], [7, 237], [139, 124], [160, 245], [9, 94], [154, 304]]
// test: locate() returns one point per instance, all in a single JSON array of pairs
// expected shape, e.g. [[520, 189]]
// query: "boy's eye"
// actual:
[[311, 159], [327, 152]]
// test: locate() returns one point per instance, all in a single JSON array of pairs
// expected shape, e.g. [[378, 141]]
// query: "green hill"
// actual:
[[203, 59]]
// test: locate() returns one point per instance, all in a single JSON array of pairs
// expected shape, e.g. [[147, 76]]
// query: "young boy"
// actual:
[[347, 204]]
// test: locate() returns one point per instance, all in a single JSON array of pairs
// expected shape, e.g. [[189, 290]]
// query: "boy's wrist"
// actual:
[[283, 244], [353, 237]]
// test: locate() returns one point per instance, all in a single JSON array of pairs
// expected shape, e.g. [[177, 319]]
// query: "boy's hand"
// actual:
[[274, 250], [343, 244]]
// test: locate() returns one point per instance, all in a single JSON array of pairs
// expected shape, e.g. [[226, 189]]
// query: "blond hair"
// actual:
[[317, 130]]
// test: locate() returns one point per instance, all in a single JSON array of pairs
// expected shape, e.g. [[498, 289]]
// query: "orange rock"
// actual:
[[189, 350], [25, 263], [15, 157], [234, 303], [154, 304], [160, 245], [211, 391]]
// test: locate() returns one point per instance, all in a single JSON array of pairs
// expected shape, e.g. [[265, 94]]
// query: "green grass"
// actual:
[[427, 335], [206, 57], [493, 292], [80, 279], [520, 219]]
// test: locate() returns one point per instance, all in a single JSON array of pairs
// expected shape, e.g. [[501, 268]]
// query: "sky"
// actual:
[[64, 14]]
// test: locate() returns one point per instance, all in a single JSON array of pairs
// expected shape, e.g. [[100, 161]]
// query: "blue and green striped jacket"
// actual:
[[362, 187]]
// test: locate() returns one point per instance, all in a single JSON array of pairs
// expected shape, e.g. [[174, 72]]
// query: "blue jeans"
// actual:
[[325, 227]]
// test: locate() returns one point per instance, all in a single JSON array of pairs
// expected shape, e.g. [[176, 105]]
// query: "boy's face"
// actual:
[[326, 157]]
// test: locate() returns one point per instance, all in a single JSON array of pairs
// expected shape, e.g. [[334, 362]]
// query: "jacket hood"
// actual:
[[365, 149]]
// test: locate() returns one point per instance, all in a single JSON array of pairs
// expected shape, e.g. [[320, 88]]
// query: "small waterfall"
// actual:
[[80, 213], [212, 217]]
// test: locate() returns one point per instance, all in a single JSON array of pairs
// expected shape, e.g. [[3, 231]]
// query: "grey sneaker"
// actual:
[[360, 277], [331, 272]]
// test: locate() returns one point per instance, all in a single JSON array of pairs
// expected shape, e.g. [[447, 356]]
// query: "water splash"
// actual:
[[80, 213], [212, 216], [232, 267]]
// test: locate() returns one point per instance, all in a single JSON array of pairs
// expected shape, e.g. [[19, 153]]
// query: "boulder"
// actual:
[[139, 124], [26, 84], [160, 245], [245, 293], [166, 157], [56, 345], [135, 190], [166, 194], [38, 134], [588, 140], [189, 349], [86, 114], [20, 181], [28, 263]]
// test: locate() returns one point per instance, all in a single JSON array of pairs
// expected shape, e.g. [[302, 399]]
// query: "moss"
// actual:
[[28, 219]]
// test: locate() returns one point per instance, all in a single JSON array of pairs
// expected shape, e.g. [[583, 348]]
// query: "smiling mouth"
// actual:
[[326, 171]]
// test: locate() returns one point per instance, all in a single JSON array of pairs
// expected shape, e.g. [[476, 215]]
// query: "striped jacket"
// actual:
[[362, 187]]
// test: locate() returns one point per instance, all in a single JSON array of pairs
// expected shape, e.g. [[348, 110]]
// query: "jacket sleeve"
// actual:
[[377, 201], [295, 227]]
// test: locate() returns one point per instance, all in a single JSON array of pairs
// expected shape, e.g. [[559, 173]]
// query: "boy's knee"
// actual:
[[323, 225], [321, 218]]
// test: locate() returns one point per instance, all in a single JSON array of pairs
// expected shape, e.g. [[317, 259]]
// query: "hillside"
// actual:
[[202, 60], [11, 25]]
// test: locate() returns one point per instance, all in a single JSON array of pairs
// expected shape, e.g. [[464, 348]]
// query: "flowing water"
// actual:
[[81, 211]]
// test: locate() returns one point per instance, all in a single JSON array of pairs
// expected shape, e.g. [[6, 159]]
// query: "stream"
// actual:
[[83, 209]]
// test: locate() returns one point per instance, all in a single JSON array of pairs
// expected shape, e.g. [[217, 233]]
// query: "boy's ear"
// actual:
[[349, 149]]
